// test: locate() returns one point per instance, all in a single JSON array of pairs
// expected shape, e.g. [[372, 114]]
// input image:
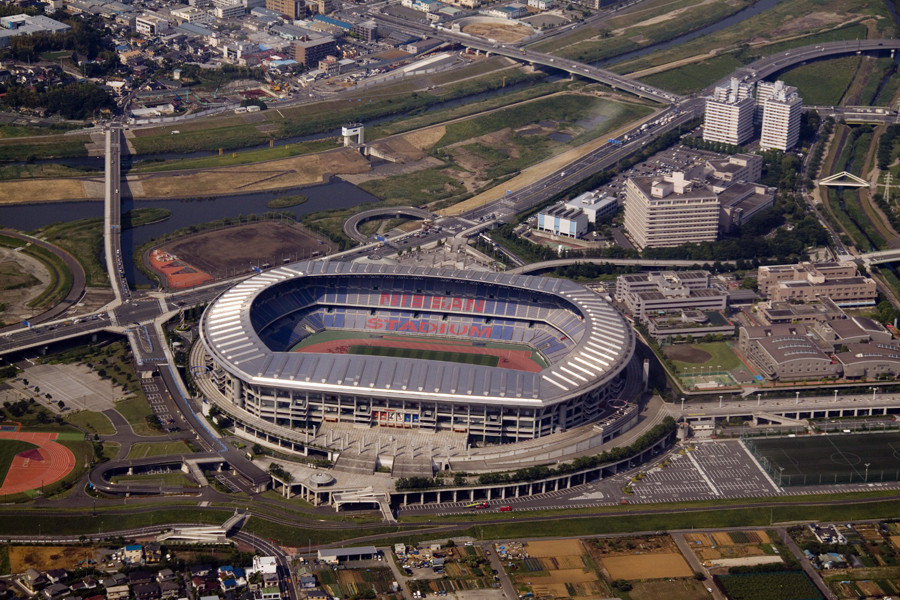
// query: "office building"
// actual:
[[729, 114], [781, 109], [309, 52], [669, 211], [293, 9]]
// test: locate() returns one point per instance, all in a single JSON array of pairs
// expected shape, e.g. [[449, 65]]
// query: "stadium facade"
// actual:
[[582, 343]]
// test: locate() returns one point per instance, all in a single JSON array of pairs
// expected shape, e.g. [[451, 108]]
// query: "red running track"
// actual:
[[28, 472]]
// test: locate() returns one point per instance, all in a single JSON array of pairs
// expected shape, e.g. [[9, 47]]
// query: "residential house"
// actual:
[[33, 580], [147, 591], [55, 591]]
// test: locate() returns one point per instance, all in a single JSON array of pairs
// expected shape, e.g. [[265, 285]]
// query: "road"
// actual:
[[78, 278]]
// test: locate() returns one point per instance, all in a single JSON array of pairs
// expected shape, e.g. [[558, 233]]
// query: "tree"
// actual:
[[257, 449], [61, 404]]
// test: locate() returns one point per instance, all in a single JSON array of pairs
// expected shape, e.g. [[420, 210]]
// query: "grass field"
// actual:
[[174, 479], [8, 451], [828, 459], [823, 82], [147, 449], [485, 360], [136, 410], [94, 422]]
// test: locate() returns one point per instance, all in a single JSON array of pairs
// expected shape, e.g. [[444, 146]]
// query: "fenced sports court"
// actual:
[[829, 459]]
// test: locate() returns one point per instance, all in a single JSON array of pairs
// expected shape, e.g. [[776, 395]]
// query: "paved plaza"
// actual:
[[76, 385]]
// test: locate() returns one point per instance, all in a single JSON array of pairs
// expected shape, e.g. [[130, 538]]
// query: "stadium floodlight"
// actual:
[[867, 472], [835, 396], [798, 397]]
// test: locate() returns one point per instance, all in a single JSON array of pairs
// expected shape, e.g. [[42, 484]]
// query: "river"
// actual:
[[738, 17], [338, 194]]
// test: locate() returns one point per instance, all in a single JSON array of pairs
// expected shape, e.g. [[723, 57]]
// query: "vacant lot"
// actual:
[[22, 558], [257, 243]]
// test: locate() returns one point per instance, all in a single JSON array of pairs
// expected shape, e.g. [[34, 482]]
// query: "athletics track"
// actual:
[[49, 462]]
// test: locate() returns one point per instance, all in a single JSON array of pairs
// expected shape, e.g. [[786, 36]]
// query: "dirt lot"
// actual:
[[687, 354], [501, 32], [237, 247], [42, 558], [646, 566], [21, 279]]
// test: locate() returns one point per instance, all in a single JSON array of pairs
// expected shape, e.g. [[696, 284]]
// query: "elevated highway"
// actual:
[[780, 61], [573, 67]]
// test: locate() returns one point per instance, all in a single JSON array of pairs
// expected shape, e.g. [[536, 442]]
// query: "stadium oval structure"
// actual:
[[578, 344]]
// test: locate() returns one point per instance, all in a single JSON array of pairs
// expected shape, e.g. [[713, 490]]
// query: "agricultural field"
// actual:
[[465, 569], [783, 585], [725, 549], [356, 583], [553, 568]]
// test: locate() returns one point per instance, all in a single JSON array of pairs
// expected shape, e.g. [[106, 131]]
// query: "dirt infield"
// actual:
[[265, 243], [646, 566], [516, 360], [30, 470], [22, 558], [687, 354]]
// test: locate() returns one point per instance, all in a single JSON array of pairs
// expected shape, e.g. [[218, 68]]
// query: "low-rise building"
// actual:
[[660, 291], [786, 352], [872, 361], [594, 205], [151, 25], [562, 220], [688, 324], [776, 312]]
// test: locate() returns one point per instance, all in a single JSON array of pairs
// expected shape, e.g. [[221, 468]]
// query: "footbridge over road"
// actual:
[[880, 257], [351, 225]]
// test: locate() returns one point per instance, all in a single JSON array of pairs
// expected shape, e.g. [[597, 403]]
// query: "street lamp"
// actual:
[[798, 397], [867, 472], [835, 396], [780, 471], [758, 400], [682, 404], [720, 401], [874, 389]]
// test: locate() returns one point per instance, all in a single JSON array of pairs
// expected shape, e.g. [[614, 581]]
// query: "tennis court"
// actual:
[[829, 459]]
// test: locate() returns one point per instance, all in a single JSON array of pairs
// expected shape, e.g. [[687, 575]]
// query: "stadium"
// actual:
[[501, 358]]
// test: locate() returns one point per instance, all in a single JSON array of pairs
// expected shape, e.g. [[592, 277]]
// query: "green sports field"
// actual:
[[8, 451], [829, 459], [485, 360]]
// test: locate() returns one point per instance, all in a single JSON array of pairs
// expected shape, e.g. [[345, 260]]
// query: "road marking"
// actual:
[[703, 474]]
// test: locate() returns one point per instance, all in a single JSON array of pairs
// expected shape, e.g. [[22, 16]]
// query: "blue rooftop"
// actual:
[[333, 21]]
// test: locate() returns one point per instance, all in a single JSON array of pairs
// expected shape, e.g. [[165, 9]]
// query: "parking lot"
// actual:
[[160, 402], [721, 469]]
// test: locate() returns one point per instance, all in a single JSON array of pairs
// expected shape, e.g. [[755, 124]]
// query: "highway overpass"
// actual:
[[780, 61]]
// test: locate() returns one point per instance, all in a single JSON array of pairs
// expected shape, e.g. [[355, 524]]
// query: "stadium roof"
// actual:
[[599, 353]]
